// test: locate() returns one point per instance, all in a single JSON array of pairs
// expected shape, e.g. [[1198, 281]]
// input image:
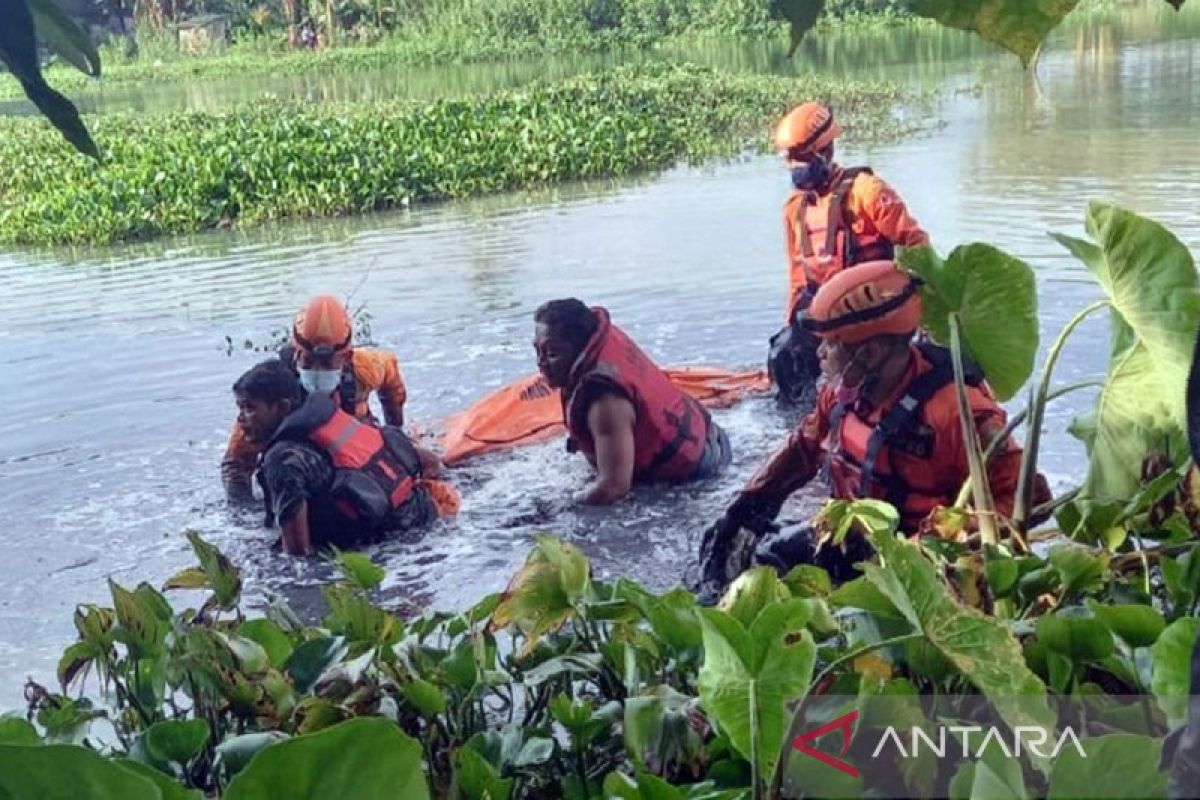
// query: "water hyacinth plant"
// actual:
[[566, 686], [192, 171]]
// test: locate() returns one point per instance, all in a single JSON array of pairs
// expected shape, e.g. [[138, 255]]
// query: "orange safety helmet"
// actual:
[[860, 302], [807, 128], [323, 327]]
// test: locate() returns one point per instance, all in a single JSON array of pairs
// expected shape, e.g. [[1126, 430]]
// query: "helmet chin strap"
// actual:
[[865, 383]]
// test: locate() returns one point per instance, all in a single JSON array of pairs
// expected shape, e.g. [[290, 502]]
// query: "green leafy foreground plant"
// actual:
[[564, 686]]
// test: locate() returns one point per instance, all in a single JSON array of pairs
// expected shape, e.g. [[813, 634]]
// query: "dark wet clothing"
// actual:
[[295, 470]]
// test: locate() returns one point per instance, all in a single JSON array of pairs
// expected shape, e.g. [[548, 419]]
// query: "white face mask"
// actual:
[[320, 381]]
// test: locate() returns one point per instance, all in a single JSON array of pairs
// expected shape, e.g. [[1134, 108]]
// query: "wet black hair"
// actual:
[[270, 381], [570, 317]]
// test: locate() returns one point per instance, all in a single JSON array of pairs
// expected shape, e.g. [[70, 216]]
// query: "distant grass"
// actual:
[[460, 31], [188, 172]]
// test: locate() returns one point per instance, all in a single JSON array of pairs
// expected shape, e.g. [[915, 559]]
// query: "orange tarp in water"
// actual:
[[528, 410]]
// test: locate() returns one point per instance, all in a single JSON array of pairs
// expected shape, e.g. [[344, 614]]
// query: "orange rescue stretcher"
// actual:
[[529, 410]]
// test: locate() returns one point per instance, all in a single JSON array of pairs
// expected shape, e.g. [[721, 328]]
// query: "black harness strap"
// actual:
[[902, 419]]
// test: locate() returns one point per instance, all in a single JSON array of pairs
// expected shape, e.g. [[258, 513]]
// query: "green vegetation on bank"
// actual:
[[194, 171], [456, 31]]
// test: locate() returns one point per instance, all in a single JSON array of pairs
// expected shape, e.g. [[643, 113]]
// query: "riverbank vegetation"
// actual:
[[194, 171], [566, 686], [370, 35]]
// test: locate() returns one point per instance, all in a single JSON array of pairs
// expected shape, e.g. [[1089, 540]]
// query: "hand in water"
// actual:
[[726, 550]]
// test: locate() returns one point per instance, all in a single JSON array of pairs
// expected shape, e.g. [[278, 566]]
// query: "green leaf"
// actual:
[[176, 740], [356, 758], [750, 676], [1080, 639], [541, 596], [657, 733], [270, 637], [754, 590], [359, 569], [14, 730], [861, 593], [981, 648], [1150, 279], [574, 665], [425, 697], [1018, 26], [801, 16], [18, 51], [190, 578], [140, 624], [167, 787], [1002, 571], [1171, 679], [59, 33], [1080, 568], [672, 616], [224, 578], [807, 580], [1124, 764], [251, 656], [235, 753], [1136, 625], [995, 298], [309, 660], [68, 772], [478, 779]]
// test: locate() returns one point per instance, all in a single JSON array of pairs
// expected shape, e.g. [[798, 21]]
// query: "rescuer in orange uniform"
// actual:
[[322, 352], [621, 411], [886, 426], [835, 217]]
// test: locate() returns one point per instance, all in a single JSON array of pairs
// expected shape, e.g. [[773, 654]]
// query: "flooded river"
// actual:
[[116, 405]]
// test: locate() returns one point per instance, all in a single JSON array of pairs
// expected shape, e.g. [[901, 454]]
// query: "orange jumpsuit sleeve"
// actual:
[[238, 464], [379, 371], [791, 466], [877, 203]]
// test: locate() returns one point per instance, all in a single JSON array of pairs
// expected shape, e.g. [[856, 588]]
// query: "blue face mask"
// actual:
[[812, 175]]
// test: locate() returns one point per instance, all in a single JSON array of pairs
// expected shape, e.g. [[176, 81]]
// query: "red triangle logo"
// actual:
[[845, 724]]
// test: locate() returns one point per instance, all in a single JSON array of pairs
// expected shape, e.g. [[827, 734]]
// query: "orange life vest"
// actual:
[[375, 469], [860, 456], [670, 428], [825, 239]]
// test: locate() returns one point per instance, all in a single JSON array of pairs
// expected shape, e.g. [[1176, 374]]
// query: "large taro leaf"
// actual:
[[1016, 25], [364, 757], [1125, 765], [995, 298], [801, 16], [541, 596], [1150, 279], [18, 51], [750, 675], [68, 772], [1171, 680], [981, 648]]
